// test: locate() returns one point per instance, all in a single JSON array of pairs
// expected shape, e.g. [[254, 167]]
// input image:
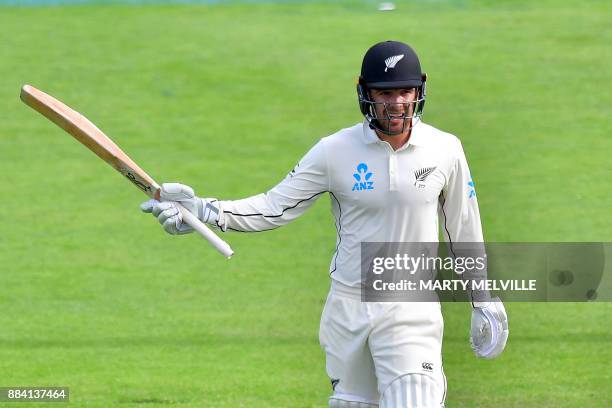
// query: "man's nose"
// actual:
[[401, 98], [398, 101]]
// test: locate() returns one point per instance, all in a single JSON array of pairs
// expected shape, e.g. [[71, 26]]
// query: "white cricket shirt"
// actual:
[[377, 194]]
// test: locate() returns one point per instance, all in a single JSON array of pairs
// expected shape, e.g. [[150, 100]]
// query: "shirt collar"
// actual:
[[369, 135], [418, 136]]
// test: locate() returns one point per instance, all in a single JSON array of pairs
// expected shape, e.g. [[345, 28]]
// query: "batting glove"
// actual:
[[489, 332], [168, 214]]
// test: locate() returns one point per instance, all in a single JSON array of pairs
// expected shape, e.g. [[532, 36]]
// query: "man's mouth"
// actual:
[[396, 118]]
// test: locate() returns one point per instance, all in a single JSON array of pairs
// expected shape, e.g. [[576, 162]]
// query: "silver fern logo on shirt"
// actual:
[[363, 178], [391, 62], [421, 175]]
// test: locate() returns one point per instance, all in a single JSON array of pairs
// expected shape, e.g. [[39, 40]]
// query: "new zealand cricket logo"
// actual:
[[421, 175]]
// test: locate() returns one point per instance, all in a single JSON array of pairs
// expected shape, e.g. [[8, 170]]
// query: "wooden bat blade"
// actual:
[[88, 134], [95, 140]]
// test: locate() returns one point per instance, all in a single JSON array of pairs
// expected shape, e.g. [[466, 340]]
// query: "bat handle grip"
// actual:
[[219, 244]]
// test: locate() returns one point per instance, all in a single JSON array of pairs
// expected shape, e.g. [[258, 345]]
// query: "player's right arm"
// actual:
[[280, 205]]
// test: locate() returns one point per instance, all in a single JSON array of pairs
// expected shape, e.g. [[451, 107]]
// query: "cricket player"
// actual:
[[391, 178]]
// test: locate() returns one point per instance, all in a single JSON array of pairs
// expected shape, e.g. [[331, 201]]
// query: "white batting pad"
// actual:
[[413, 391], [339, 400]]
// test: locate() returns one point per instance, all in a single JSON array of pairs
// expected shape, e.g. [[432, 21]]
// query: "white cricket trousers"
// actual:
[[370, 344]]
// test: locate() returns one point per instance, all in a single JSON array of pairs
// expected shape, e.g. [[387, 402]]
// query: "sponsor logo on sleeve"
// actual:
[[471, 188]]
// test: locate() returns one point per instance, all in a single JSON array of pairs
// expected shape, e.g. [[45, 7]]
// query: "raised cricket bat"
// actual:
[[95, 140]]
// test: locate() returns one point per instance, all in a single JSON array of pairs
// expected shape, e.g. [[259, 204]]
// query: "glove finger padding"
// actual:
[[168, 215], [160, 207], [503, 336], [147, 206], [184, 195], [170, 212], [489, 329], [171, 219], [175, 192]]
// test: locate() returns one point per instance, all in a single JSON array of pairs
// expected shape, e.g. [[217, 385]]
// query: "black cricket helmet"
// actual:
[[390, 65]]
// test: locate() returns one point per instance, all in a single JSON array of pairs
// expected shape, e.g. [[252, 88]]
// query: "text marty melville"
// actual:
[[457, 284]]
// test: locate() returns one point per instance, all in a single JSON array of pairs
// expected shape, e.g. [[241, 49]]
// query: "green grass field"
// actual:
[[227, 98]]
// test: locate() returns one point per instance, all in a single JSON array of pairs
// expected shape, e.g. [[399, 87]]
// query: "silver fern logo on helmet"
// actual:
[[392, 61]]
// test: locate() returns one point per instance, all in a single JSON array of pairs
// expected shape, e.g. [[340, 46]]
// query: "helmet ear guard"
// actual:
[[422, 95], [363, 95]]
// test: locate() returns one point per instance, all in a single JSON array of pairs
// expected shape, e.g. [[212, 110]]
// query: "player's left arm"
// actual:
[[462, 230]]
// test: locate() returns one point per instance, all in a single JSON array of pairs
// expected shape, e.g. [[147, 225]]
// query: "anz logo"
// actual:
[[471, 188], [363, 177]]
